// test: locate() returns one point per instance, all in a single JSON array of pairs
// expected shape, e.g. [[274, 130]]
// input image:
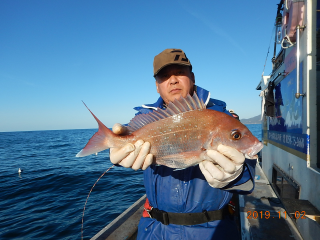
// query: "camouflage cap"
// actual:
[[169, 57]]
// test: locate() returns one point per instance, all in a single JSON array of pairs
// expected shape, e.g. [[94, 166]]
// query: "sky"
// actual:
[[54, 54]]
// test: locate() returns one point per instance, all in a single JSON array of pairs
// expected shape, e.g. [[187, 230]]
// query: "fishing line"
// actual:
[[84, 208], [268, 51]]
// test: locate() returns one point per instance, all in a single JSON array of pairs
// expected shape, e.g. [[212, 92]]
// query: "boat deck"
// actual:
[[254, 209], [263, 215]]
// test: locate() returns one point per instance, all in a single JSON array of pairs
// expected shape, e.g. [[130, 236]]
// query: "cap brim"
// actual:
[[187, 64]]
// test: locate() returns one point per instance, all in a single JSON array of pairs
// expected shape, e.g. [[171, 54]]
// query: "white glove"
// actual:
[[135, 156], [226, 165]]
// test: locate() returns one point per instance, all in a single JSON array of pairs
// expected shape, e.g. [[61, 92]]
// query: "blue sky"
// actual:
[[55, 53]]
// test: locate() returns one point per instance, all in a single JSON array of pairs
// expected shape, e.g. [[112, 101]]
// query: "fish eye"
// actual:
[[235, 135]]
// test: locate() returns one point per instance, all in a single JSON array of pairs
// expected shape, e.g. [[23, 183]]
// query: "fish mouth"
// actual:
[[254, 150]]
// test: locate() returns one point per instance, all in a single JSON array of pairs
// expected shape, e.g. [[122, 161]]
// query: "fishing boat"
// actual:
[[286, 201], [291, 114]]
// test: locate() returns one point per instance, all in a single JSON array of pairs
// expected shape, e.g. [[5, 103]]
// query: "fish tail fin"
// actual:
[[101, 140]]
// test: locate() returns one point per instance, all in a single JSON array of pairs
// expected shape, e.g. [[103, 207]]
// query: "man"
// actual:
[[186, 203]]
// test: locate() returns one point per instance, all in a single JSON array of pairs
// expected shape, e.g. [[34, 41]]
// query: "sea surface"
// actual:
[[46, 200]]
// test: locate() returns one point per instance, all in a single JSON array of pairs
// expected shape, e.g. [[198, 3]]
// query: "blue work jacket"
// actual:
[[187, 191]]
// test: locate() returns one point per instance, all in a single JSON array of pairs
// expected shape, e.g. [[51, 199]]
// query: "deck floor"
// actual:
[[262, 214]]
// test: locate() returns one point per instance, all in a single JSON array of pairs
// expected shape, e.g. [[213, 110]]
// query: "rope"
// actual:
[[84, 208]]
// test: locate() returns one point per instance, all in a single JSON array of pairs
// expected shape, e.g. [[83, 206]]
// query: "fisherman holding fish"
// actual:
[[188, 186]]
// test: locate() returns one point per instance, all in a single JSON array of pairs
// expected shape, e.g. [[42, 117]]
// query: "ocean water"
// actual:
[[46, 200]]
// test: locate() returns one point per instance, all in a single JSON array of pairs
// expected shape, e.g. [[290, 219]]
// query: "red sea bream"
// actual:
[[180, 134]]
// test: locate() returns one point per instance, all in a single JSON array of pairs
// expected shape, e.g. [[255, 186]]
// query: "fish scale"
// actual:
[[180, 134], [176, 135], [172, 133]]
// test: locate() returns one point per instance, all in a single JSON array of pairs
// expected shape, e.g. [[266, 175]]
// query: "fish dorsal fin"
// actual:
[[178, 106]]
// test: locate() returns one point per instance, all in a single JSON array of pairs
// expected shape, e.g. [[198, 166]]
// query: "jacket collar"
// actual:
[[202, 94]]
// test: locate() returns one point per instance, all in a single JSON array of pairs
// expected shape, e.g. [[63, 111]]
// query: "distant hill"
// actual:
[[253, 120]]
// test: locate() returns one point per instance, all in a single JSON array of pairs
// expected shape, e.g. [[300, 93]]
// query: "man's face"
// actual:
[[173, 81]]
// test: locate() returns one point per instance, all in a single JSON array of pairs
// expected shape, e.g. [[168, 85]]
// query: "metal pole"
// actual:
[[274, 50], [298, 61], [298, 94]]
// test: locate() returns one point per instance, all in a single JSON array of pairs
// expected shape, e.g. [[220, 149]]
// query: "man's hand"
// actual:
[[135, 156], [226, 166]]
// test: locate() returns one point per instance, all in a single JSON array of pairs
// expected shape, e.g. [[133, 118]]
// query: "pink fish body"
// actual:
[[180, 135]]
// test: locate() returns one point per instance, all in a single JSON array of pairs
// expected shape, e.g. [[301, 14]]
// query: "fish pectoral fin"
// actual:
[[182, 160]]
